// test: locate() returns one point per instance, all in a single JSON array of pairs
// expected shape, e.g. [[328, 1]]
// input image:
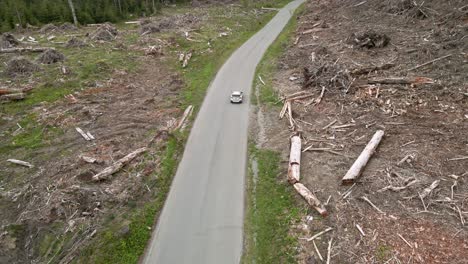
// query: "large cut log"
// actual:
[[310, 198], [20, 162], [355, 170], [20, 50], [12, 97], [9, 91], [107, 172], [294, 174]]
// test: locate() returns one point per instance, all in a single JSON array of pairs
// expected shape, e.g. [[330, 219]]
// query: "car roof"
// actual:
[[236, 93]]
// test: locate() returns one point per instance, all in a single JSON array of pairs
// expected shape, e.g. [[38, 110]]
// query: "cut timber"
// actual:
[[82, 133], [12, 97], [9, 91], [362, 160], [311, 199], [372, 69], [429, 189], [20, 50], [294, 171], [20, 162], [401, 80], [107, 172], [186, 60], [183, 120]]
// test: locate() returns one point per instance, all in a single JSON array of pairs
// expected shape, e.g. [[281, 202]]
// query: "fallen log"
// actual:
[[401, 80], [20, 162], [311, 199], [367, 70], [107, 172], [294, 174], [362, 160], [9, 91], [12, 97], [29, 49]]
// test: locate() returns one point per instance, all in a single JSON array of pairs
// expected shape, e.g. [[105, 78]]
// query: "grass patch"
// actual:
[[270, 212], [268, 66]]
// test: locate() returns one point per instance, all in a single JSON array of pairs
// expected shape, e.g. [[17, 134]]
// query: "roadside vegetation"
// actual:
[[271, 208]]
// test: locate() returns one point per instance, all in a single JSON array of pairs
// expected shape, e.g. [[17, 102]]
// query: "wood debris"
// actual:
[[109, 171], [312, 238], [310, 198], [20, 162], [401, 80], [372, 204], [186, 59], [358, 166], [429, 189], [183, 121], [28, 49], [87, 136], [294, 173]]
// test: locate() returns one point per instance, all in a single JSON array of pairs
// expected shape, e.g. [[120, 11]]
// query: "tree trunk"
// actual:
[[72, 7]]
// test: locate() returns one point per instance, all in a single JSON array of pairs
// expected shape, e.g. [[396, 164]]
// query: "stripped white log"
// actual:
[[290, 117], [260, 78], [329, 250], [294, 174], [319, 234], [181, 57], [310, 198], [107, 172], [317, 250], [187, 113], [88, 159], [186, 60], [90, 136], [20, 162], [284, 109], [360, 230], [429, 189], [362, 160], [82, 133]]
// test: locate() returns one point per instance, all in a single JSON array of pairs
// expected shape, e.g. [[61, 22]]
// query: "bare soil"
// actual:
[[339, 46]]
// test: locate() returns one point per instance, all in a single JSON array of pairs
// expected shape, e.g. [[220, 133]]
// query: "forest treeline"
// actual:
[[38, 12]]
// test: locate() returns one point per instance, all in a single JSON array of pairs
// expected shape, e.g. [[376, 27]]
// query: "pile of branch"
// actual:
[[322, 73], [20, 66], [105, 32], [51, 56], [154, 50], [74, 42], [294, 176], [7, 41], [369, 39], [149, 28]]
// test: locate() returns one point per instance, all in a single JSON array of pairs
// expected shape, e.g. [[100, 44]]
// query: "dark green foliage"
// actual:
[[37, 12]]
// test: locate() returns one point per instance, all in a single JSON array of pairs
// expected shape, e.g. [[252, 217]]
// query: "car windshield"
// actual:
[[236, 95]]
